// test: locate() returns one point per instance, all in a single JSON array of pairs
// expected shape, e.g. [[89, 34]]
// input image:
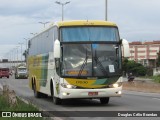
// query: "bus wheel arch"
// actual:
[[56, 100], [36, 93]]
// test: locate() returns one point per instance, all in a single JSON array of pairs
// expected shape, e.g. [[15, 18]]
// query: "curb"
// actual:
[[40, 109], [142, 86], [1, 88]]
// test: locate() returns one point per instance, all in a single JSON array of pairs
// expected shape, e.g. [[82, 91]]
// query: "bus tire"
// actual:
[[36, 93], [56, 101], [104, 100]]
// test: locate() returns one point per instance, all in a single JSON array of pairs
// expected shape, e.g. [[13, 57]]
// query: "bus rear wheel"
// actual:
[[36, 93], [104, 100]]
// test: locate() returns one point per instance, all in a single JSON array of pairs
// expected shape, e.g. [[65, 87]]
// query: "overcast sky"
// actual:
[[138, 20]]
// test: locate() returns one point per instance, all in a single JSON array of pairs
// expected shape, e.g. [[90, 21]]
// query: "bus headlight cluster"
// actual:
[[119, 92], [65, 85], [115, 85]]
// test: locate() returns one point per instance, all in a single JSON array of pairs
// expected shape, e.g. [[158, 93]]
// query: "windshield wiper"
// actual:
[[100, 64], [83, 65]]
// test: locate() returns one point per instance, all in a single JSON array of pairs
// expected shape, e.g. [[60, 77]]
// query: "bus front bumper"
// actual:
[[90, 93]]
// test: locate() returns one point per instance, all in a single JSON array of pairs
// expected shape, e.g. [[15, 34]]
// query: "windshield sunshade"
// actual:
[[71, 34]]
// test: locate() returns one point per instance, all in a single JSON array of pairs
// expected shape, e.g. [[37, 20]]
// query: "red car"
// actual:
[[4, 72]]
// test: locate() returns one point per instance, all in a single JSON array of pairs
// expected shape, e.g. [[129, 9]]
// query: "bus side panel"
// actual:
[[35, 71], [50, 74], [30, 69], [47, 73], [39, 49]]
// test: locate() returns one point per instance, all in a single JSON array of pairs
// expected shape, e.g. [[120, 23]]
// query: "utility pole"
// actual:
[[21, 51], [17, 52], [26, 42], [26, 51], [106, 4], [44, 23], [60, 3]]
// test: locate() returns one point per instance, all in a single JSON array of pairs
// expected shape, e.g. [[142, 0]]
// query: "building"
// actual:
[[10, 64], [145, 52]]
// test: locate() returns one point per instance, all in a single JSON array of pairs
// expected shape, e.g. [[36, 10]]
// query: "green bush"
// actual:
[[157, 78], [141, 71], [136, 68]]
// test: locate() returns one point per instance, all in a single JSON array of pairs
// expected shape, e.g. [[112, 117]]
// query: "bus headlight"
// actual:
[[65, 85], [115, 85]]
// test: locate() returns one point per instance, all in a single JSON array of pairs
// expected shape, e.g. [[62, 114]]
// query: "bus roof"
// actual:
[[85, 23], [79, 23]]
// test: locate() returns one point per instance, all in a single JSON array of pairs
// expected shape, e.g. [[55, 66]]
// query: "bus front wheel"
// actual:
[[56, 100], [104, 100]]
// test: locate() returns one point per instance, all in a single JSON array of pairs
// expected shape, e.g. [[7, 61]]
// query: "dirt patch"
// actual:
[[142, 86]]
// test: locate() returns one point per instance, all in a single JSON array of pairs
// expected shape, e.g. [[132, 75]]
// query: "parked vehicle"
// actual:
[[4, 72], [21, 72], [130, 77]]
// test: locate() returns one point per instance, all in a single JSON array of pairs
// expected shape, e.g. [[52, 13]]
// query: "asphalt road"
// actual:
[[130, 101]]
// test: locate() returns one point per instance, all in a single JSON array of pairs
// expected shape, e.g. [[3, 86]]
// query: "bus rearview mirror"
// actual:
[[125, 48], [57, 49]]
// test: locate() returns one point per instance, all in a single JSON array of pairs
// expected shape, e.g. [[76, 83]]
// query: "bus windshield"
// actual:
[[72, 34], [90, 60], [22, 70]]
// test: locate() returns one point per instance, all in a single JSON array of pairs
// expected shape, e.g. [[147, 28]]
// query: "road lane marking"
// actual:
[[156, 98]]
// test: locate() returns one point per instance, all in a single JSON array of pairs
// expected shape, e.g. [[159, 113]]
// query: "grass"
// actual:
[[21, 107], [156, 79]]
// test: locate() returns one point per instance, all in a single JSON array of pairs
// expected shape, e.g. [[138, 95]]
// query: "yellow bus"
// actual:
[[77, 59]]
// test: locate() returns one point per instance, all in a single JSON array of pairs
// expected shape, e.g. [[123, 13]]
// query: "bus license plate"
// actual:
[[92, 93]]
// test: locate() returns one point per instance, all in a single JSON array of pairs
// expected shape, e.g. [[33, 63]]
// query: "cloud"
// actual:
[[22, 7], [5, 53], [87, 9], [15, 28], [136, 19]]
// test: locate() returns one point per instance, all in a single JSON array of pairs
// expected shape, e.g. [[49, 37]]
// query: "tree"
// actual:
[[25, 54], [158, 59], [136, 68]]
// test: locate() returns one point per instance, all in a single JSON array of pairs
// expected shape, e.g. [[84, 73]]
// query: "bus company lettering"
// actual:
[[81, 82]]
